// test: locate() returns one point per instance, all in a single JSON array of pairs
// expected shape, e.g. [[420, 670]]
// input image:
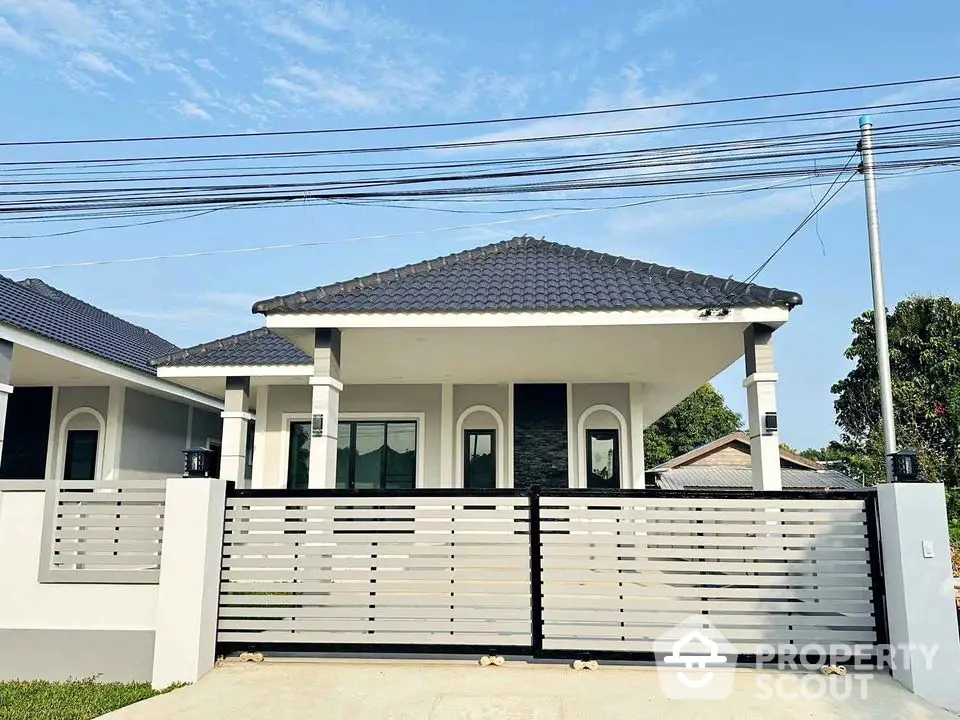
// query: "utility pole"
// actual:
[[879, 306]]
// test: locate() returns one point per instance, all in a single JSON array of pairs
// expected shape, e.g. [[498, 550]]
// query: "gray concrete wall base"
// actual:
[[110, 655]]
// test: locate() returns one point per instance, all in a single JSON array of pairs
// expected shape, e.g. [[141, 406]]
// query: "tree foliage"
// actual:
[[924, 343], [701, 417]]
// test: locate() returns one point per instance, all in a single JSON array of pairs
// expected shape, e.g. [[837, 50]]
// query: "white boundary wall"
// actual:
[[63, 630]]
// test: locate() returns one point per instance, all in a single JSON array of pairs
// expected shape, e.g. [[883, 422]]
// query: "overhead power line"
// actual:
[[825, 200], [493, 121]]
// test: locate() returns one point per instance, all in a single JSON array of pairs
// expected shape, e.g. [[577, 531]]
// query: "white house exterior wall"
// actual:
[[287, 400], [292, 402], [153, 438], [56, 631], [585, 396], [205, 425]]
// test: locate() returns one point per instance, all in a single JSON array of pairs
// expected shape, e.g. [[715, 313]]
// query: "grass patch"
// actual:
[[73, 700]]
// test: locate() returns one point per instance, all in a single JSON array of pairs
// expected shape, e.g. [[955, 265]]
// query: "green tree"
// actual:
[[838, 456], [701, 417], [925, 369]]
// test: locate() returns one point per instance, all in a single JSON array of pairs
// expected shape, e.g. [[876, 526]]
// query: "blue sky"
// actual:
[[149, 67]]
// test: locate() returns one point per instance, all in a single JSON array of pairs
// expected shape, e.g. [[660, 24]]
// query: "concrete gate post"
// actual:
[[921, 610]]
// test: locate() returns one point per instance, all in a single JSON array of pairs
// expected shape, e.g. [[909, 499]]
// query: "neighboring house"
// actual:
[[725, 464], [523, 362], [79, 399]]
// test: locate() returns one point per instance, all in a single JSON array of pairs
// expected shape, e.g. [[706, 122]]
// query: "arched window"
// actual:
[[601, 432], [81, 445], [480, 448]]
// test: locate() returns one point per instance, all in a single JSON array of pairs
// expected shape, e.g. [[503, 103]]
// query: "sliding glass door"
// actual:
[[371, 455]]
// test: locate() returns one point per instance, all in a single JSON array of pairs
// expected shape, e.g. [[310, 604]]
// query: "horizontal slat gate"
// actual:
[[339, 571], [103, 531], [619, 572]]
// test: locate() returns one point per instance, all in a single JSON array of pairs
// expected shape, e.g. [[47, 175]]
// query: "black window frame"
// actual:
[[70, 449], [352, 468], [290, 438], [603, 434], [465, 459]]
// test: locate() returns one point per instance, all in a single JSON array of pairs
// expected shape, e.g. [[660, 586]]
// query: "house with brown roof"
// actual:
[[725, 463]]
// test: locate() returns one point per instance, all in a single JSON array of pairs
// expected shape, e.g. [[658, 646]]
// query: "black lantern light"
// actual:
[[905, 466], [196, 462]]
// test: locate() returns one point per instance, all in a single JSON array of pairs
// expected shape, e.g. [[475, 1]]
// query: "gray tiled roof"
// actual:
[[741, 478], [257, 347], [36, 307], [527, 274]]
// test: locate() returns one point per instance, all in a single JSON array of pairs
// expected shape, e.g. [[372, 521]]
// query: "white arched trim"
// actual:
[[62, 439], [581, 478], [500, 441]]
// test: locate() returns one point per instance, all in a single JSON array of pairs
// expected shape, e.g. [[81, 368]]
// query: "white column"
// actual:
[[918, 578], [325, 408], [189, 593], [448, 472], [636, 438], [508, 440], [6, 372], [236, 416], [575, 478], [113, 437], [761, 385], [259, 479]]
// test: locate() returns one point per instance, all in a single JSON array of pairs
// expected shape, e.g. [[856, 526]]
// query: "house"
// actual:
[[725, 463], [79, 399], [521, 362]]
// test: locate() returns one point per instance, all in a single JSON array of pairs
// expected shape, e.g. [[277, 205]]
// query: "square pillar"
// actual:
[[761, 385], [236, 418], [448, 469], [918, 579], [6, 372], [325, 408], [637, 462], [188, 596]]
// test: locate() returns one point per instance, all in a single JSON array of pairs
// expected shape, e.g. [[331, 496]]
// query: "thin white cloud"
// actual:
[[191, 110], [10, 38], [287, 29], [97, 64], [205, 64], [667, 11]]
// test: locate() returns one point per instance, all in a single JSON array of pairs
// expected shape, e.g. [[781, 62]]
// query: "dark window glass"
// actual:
[[371, 455], [25, 434], [298, 457], [344, 443], [479, 459], [81, 455], [603, 459]]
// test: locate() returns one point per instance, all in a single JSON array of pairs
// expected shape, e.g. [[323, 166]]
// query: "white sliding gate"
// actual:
[[345, 570], [620, 572], [553, 574]]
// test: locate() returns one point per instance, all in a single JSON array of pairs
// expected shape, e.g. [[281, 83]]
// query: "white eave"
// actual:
[[100, 365], [770, 315], [219, 371]]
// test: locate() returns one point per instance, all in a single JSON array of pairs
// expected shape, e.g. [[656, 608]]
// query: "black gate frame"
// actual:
[[534, 494]]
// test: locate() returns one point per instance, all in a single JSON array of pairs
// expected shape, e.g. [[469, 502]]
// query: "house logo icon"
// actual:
[[694, 661]]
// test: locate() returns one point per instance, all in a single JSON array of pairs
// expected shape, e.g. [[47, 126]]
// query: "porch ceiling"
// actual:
[[34, 368], [645, 353], [670, 360]]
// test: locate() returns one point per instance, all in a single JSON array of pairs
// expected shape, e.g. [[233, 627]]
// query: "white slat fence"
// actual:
[[103, 531], [619, 572], [391, 570]]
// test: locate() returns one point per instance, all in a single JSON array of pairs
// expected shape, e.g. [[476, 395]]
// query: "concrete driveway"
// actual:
[[459, 690]]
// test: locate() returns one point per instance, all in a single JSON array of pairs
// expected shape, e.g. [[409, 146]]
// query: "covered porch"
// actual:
[[471, 400]]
